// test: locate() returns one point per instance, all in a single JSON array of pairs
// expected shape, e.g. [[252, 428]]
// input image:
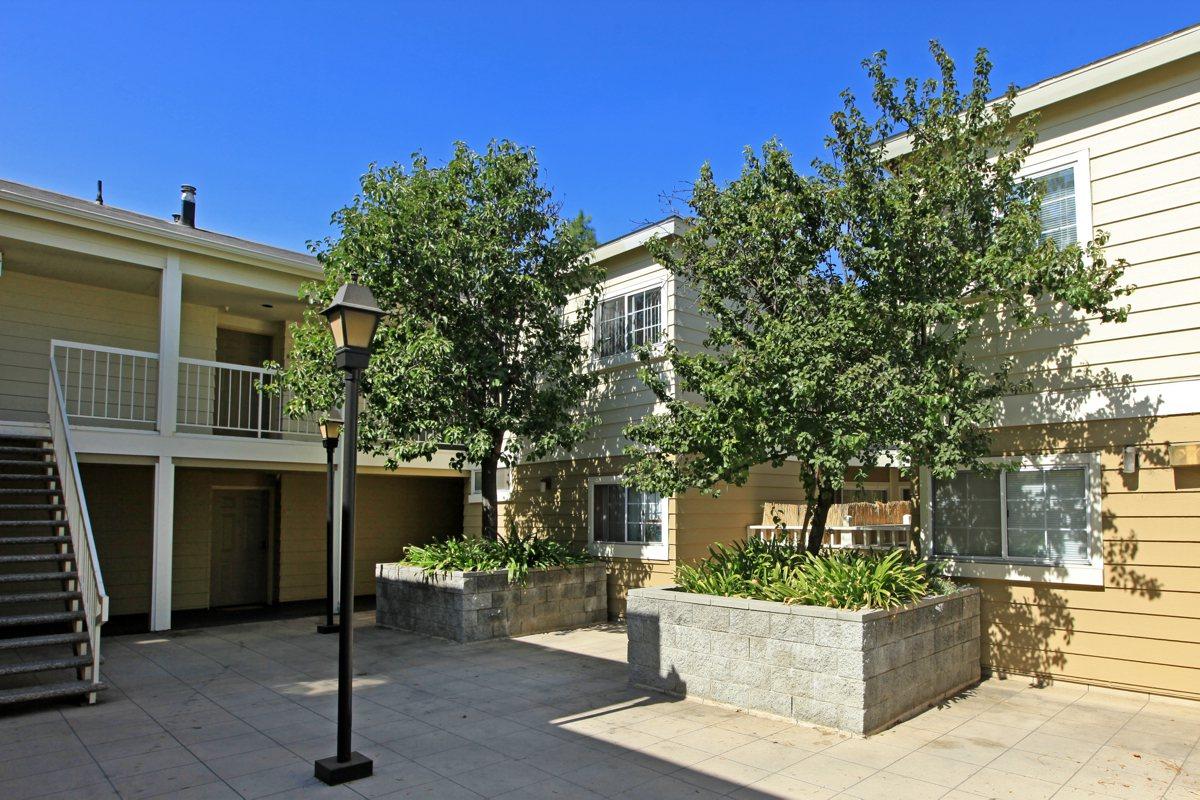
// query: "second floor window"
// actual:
[[1058, 207], [625, 322]]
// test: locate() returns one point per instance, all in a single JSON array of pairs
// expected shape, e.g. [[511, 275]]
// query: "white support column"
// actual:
[[170, 307], [164, 541], [337, 530]]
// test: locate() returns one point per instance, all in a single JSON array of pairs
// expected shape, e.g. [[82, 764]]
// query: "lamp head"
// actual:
[[353, 317], [331, 425]]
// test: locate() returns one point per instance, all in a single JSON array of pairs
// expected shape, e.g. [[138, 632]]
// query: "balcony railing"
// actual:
[[225, 400], [111, 387]]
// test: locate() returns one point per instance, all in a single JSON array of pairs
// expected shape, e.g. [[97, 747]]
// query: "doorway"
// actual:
[[241, 525]]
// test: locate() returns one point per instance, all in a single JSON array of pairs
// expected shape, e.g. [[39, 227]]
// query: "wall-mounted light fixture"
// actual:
[[545, 484], [1129, 463]]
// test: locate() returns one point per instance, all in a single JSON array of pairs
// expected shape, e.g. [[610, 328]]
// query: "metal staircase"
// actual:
[[48, 648]]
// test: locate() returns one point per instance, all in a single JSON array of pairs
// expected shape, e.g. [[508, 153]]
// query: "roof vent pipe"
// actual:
[[187, 214]]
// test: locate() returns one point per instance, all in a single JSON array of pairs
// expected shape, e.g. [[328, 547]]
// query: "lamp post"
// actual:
[[353, 316], [331, 428]]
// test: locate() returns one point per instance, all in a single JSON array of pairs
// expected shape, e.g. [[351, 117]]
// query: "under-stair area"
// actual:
[[45, 643]]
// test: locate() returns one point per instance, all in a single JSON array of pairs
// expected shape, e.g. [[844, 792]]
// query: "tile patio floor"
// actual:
[[242, 711]]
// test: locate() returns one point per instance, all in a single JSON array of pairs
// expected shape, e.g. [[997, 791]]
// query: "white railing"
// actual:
[[108, 386], [839, 537], [89, 583], [225, 399]]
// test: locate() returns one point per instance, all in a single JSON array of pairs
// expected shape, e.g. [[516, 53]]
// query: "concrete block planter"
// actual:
[[858, 671], [474, 606]]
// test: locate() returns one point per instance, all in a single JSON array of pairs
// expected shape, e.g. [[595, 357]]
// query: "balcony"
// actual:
[[116, 388]]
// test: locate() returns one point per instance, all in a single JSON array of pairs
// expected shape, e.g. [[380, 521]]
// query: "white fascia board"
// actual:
[[299, 264], [1117, 67], [671, 226]]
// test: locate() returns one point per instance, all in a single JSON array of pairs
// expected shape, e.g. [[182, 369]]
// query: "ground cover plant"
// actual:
[[848, 579], [513, 553]]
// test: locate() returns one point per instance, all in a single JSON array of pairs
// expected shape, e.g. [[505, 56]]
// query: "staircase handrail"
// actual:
[[79, 524]]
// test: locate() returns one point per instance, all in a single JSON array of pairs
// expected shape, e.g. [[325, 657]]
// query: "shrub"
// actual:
[[841, 579], [514, 553]]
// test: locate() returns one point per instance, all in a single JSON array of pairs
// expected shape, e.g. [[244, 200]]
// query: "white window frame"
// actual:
[[649, 551], [624, 292], [1080, 160], [868, 486], [1026, 570], [503, 493]]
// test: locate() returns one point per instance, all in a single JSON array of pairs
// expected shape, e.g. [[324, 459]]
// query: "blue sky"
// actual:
[[274, 109]]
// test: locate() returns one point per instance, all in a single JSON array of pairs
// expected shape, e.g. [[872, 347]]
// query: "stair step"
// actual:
[[22, 642], [37, 577], [33, 523], [27, 450], [30, 477], [20, 559], [26, 462], [23, 667], [42, 618], [46, 691], [32, 507], [18, 540], [29, 490], [39, 597]]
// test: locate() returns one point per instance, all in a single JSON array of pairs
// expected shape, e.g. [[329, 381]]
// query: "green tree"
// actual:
[[581, 225], [846, 303], [489, 293]]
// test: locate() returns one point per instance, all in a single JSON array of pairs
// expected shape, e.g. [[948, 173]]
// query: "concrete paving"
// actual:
[[243, 710]]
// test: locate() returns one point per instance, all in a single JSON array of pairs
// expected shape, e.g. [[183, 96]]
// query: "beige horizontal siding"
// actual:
[[1143, 143], [35, 310], [1141, 629]]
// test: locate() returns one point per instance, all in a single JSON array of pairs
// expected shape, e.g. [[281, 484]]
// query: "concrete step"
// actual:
[[32, 507], [51, 639], [37, 577], [47, 691], [42, 618], [33, 523], [9, 491], [39, 597], [24, 667], [32, 449], [30, 477], [25, 462], [27, 557], [19, 540]]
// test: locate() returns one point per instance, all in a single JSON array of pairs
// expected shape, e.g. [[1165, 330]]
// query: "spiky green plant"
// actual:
[[514, 553]]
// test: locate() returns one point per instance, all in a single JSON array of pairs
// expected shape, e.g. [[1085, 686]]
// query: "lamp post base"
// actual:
[[323, 628], [333, 772]]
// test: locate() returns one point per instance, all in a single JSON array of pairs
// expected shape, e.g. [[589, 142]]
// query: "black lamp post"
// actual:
[[353, 316], [331, 428]]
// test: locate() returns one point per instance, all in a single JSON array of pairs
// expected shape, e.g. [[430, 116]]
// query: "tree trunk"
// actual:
[[820, 513], [491, 509]]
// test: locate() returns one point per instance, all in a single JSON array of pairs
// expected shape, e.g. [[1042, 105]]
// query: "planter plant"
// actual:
[[469, 589]]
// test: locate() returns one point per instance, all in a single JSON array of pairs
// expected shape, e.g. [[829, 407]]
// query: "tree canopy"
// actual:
[[489, 293], [844, 302]]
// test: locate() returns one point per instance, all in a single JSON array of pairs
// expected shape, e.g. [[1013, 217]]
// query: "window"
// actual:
[[626, 522], [1044, 513], [503, 485], [1066, 210], [625, 322], [1058, 207], [851, 493]]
